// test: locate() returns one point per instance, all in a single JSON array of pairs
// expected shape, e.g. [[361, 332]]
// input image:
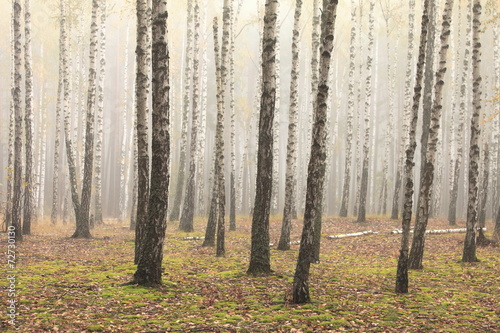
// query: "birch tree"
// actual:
[[260, 253], [426, 183], [350, 112], [464, 87], [55, 174], [123, 167], [100, 114], [316, 168], [70, 153], [186, 221], [226, 16], [149, 265], [181, 174], [211, 228], [407, 110], [390, 121], [483, 198], [291, 155], [368, 92], [29, 179], [232, 177], [10, 152], [16, 96], [402, 270], [142, 92], [469, 252], [82, 221]]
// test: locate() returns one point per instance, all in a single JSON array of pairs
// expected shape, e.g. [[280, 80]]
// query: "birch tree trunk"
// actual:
[[260, 253], [149, 265], [350, 112], [316, 168], [67, 116], [123, 165], [135, 169], [426, 183], [232, 179], [276, 128], [481, 238], [10, 158], [358, 115], [469, 253], [16, 96], [291, 156], [402, 270], [29, 191], [186, 221], [220, 249], [142, 93], [100, 113], [407, 110], [496, 126], [215, 204], [82, 221], [452, 211], [43, 149], [368, 92], [202, 202], [390, 121], [55, 176], [176, 207]]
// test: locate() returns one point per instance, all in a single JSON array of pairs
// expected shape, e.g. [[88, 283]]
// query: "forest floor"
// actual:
[[68, 285]]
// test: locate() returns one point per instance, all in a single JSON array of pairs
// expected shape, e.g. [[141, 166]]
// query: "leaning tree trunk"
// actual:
[[402, 270], [142, 92], [481, 238], [82, 221], [407, 110], [316, 168], [181, 174], [260, 253], [100, 113], [427, 98], [363, 192], [67, 116], [188, 209], [149, 265], [291, 155], [452, 211], [29, 191], [469, 253], [16, 96], [426, 182], [350, 112]]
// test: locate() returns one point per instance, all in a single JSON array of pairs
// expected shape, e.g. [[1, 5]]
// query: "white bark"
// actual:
[[123, 160], [99, 116]]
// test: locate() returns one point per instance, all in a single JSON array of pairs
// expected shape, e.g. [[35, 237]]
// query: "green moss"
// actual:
[[95, 328]]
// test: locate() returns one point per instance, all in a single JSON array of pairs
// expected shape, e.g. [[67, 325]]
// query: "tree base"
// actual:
[[82, 235], [258, 270]]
